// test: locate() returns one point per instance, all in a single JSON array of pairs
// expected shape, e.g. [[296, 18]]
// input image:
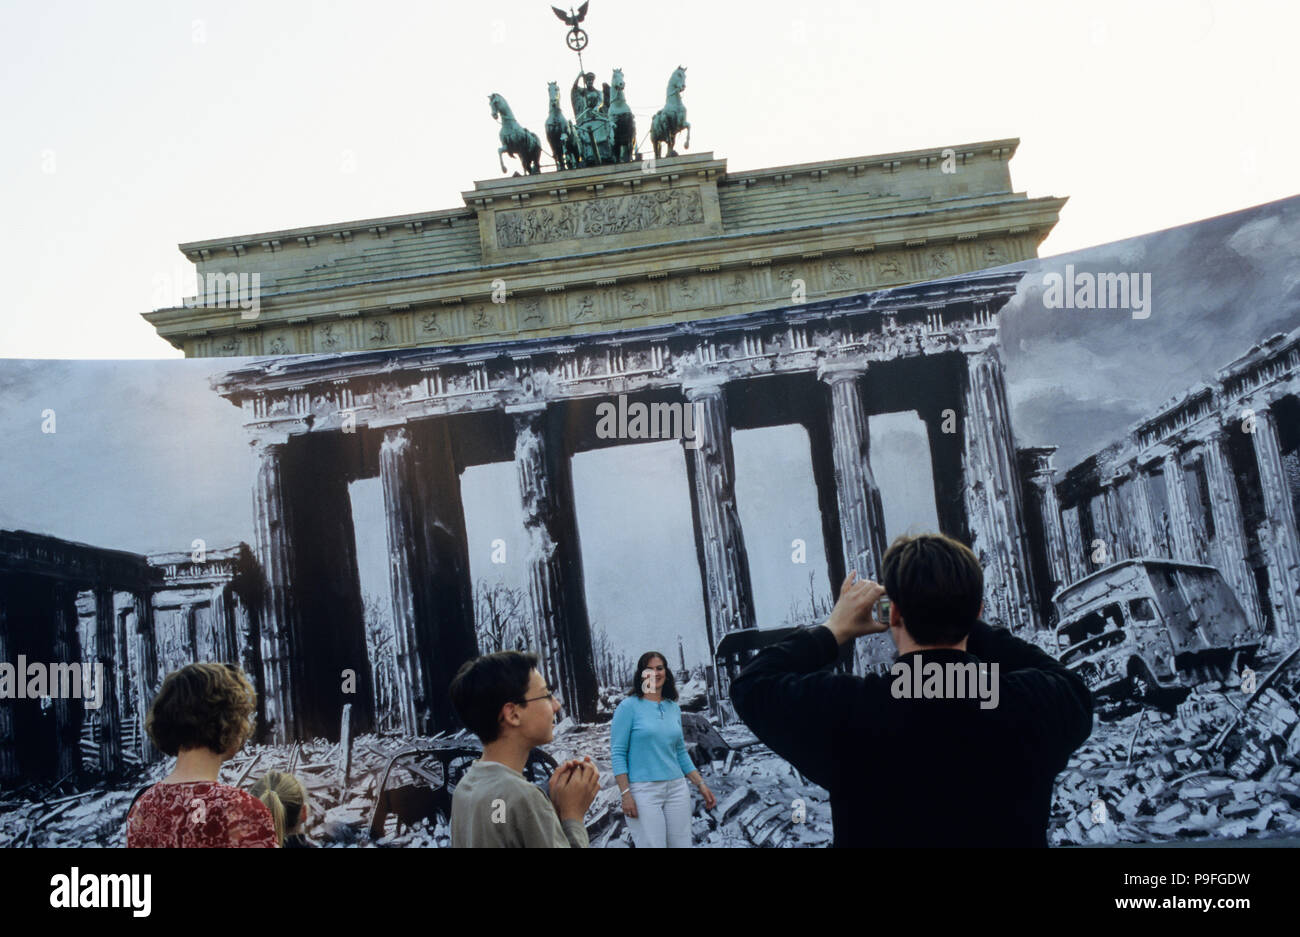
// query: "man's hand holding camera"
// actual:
[[852, 616]]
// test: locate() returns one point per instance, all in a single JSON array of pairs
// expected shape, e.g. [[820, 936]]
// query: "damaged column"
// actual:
[[862, 519], [69, 713], [719, 541], [275, 554], [1149, 538], [1040, 474], [1229, 532], [555, 592], [1282, 542], [148, 679], [1135, 512], [1104, 529], [433, 613], [1183, 541], [110, 742], [1076, 556], [994, 505]]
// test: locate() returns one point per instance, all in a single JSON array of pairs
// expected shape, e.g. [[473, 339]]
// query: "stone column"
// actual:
[[70, 713], [190, 627], [149, 680], [433, 608], [1185, 545], [557, 604], [993, 495], [862, 519], [720, 543], [1121, 522], [110, 743], [126, 702], [1142, 513], [1103, 529], [1229, 546], [1283, 541], [223, 623], [275, 555], [1074, 549], [399, 479], [1049, 509]]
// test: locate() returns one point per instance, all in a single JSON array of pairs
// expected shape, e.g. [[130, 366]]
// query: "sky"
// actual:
[[132, 127]]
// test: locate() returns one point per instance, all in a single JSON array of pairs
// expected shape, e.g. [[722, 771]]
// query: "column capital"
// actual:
[[1037, 460], [1165, 453], [396, 439], [834, 371], [532, 408], [1217, 434], [704, 387], [268, 444]]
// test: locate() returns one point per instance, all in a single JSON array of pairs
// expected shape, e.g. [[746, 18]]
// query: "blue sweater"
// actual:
[[647, 744]]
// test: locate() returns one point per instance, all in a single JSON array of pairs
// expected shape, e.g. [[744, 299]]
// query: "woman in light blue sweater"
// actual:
[[650, 761]]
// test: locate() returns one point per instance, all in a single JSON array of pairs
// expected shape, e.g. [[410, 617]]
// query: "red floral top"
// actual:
[[199, 814]]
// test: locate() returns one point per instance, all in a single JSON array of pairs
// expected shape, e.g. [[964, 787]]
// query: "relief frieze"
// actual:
[[599, 217]]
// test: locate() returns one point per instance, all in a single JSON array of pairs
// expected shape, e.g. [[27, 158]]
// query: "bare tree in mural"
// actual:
[[811, 610], [500, 617], [612, 666]]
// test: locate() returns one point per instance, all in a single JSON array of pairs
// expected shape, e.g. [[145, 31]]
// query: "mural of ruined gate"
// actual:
[[1212, 477], [416, 418]]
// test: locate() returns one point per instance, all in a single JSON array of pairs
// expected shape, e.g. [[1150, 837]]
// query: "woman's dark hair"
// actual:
[[670, 685], [202, 706], [483, 685]]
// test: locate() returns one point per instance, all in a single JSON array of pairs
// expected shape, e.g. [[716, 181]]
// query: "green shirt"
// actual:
[[495, 807]]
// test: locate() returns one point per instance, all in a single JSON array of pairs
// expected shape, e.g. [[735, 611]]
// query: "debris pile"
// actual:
[[1226, 764]]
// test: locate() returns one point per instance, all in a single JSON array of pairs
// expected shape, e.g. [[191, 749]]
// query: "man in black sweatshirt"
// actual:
[[910, 760]]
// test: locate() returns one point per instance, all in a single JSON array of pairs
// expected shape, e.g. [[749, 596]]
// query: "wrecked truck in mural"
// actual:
[[1150, 629]]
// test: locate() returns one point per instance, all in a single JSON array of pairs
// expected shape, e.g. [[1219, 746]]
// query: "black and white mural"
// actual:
[[1116, 432]]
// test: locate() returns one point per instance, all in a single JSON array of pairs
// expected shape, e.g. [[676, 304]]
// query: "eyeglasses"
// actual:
[[530, 699]]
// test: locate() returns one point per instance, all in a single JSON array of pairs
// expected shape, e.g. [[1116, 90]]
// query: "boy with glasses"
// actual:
[[504, 700]]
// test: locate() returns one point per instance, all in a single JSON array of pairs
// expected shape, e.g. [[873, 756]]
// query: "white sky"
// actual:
[[131, 127]]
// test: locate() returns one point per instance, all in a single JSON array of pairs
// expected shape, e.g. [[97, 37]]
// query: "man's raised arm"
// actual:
[[787, 698]]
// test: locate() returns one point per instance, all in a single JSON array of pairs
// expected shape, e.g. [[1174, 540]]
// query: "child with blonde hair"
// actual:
[[287, 800]]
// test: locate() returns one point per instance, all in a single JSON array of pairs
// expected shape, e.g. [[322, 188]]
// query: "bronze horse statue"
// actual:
[[624, 122], [560, 133], [670, 121], [516, 139]]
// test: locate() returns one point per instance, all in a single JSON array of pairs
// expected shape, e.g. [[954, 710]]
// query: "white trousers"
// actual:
[[663, 814]]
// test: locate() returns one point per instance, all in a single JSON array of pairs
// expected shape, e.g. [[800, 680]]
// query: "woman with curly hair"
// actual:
[[202, 716]]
